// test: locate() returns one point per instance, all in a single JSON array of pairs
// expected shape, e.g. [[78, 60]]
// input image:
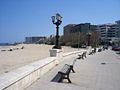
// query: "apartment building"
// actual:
[[83, 28], [109, 32]]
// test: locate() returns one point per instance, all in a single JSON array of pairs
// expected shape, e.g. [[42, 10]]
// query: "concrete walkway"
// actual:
[[90, 74]]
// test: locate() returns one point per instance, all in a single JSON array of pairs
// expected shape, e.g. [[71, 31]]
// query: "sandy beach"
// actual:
[[10, 60]]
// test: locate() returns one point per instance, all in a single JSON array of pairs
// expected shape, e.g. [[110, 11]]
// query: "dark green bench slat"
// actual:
[[57, 78]]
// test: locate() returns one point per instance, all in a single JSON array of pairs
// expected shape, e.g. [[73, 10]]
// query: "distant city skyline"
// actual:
[[25, 18]]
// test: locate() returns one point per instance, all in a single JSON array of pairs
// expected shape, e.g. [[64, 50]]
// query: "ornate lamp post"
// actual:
[[57, 23], [88, 35]]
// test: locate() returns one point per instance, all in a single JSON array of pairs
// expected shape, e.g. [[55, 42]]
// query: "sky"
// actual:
[[26, 18]]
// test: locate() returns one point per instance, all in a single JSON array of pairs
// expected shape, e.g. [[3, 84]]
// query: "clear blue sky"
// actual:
[[22, 18]]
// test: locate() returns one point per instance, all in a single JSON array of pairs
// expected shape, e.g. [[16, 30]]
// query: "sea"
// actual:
[[4, 45]]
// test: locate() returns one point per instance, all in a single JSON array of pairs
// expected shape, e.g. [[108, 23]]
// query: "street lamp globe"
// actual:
[[89, 34], [53, 19], [58, 17]]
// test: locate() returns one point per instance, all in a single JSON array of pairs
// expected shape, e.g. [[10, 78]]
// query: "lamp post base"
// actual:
[[57, 47]]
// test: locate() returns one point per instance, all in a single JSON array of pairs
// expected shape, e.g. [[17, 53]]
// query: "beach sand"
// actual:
[[10, 60]]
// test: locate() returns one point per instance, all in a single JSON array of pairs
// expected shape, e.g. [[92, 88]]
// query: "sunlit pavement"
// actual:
[[100, 71]]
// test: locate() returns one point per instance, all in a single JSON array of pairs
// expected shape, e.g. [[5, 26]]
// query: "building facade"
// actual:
[[83, 28], [80, 34], [35, 40], [109, 33]]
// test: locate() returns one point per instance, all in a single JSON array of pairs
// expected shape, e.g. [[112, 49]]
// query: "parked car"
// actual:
[[116, 48], [84, 46]]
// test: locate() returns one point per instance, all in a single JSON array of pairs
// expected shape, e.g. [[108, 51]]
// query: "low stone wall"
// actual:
[[71, 53], [22, 77]]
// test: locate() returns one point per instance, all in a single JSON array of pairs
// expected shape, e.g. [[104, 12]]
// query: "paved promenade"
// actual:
[[90, 74]]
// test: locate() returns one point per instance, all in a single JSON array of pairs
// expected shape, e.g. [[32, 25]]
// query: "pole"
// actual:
[[88, 40], [57, 36], [57, 46]]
